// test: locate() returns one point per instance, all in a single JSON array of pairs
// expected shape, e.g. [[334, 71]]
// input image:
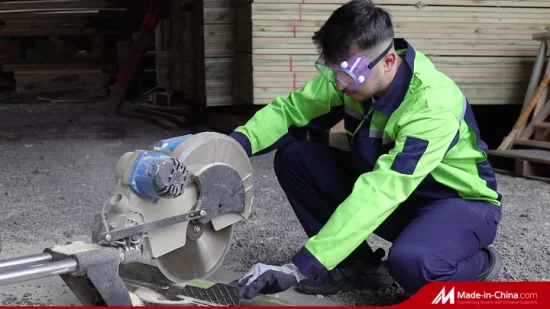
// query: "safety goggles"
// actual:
[[352, 72]]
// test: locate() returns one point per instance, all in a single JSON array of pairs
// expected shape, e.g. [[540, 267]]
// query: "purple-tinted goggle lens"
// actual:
[[351, 72]]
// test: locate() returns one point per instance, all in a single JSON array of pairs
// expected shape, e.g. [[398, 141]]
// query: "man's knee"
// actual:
[[288, 158], [414, 266]]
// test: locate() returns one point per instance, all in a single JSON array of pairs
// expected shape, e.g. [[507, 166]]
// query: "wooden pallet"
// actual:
[[526, 150], [527, 163]]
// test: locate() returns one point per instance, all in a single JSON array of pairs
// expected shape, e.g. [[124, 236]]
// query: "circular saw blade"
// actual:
[[201, 256], [198, 259]]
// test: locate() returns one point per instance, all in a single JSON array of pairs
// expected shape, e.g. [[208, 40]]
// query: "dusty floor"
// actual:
[[57, 168]]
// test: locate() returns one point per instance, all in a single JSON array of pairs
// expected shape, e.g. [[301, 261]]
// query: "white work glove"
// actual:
[[267, 279]]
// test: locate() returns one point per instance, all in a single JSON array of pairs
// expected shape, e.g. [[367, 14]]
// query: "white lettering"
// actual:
[[471, 295], [475, 297]]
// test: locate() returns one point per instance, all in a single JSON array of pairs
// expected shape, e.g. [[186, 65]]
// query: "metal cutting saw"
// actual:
[[168, 222]]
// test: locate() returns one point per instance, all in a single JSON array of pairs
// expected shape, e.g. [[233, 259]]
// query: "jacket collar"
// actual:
[[391, 100]]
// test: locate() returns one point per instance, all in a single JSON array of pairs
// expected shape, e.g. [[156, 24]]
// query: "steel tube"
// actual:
[[25, 260], [38, 272]]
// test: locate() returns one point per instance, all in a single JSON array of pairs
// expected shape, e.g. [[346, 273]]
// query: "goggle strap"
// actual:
[[372, 64]]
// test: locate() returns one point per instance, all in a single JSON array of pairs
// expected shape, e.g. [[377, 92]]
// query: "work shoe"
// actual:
[[350, 276], [495, 264]]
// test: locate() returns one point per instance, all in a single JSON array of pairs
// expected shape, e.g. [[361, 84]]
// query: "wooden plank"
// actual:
[[30, 23], [65, 15], [303, 77], [527, 163], [303, 27], [486, 98], [305, 63], [541, 36], [303, 35], [49, 31], [442, 47], [416, 33], [220, 100], [304, 42], [541, 116], [416, 3], [439, 61], [306, 75], [457, 74], [37, 67], [426, 16], [397, 9], [218, 67], [217, 3], [533, 155], [54, 4], [219, 15], [465, 18], [439, 50], [473, 92], [533, 143], [405, 23], [54, 12]]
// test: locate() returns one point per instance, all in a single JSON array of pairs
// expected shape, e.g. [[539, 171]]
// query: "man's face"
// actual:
[[375, 84], [367, 89]]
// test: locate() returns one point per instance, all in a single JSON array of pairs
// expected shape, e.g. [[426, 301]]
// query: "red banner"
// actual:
[[508, 294]]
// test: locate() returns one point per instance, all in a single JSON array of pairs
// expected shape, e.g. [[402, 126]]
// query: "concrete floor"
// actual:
[[57, 169]]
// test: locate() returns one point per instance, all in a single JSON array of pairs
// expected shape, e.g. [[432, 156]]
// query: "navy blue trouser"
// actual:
[[432, 240]]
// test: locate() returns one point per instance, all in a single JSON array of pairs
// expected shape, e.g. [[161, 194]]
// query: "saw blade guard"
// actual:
[[209, 172]]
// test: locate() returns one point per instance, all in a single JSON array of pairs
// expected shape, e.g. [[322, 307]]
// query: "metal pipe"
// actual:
[[38, 272], [25, 260]]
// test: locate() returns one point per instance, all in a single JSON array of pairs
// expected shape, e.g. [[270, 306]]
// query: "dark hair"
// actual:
[[356, 23]]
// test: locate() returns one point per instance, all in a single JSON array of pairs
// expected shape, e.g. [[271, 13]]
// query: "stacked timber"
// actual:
[[44, 42], [485, 46], [208, 52], [219, 49]]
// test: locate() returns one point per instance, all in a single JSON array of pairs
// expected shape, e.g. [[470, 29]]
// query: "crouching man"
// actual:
[[417, 174]]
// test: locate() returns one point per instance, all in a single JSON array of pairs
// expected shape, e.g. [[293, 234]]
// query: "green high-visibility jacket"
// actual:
[[419, 139]]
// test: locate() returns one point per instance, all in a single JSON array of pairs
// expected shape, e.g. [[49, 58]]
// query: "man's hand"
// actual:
[[267, 279]]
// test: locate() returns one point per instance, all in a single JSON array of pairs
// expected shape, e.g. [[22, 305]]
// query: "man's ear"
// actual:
[[390, 61]]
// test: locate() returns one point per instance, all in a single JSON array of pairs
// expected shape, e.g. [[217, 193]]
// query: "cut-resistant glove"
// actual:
[[268, 279]]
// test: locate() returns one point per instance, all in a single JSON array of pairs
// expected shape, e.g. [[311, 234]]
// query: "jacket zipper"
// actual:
[[367, 116]]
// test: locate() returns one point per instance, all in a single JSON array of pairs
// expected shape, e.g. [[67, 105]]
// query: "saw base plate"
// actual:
[[150, 281], [216, 295]]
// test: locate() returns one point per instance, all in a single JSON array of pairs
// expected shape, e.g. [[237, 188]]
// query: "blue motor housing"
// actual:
[[158, 175], [171, 143]]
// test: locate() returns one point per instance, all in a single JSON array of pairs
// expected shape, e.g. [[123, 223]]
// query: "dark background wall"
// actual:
[[495, 121]]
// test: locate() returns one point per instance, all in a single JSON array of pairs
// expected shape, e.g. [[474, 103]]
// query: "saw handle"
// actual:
[[38, 266]]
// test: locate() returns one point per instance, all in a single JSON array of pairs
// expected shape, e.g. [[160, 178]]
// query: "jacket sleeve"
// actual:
[[317, 105], [422, 140]]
